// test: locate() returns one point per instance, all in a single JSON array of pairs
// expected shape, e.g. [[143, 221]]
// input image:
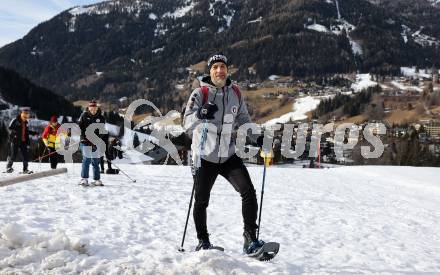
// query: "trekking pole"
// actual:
[[112, 163], [181, 249], [40, 158], [262, 193], [198, 164]]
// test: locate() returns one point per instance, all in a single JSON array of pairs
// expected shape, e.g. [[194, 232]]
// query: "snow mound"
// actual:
[[318, 28], [19, 249]]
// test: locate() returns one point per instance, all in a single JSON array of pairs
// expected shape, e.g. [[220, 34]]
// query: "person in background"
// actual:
[[52, 140], [89, 117], [19, 139]]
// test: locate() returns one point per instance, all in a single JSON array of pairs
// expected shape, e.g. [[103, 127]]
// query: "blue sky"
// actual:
[[18, 17]]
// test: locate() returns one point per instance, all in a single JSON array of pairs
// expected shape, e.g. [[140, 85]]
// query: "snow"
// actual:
[[179, 86], [133, 7], [258, 20], [132, 156], [411, 72], [161, 29], [342, 25], [363, 81], [355, 46], [405, 31], [423, 39], [103, 8], [337, 9], [347, 220], [318, 28], [434, 2], [300, 108], [112, 129], [182, 11], [211, 6], [228, 18], [72, 23], [273, 77], [404, 87], [157, 50]]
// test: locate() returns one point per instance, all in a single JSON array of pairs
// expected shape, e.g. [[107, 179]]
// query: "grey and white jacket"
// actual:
[[232, 113]]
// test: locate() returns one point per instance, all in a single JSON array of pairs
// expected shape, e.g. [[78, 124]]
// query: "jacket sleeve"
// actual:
[[81, 122], [12, 125], [45, 132], [45, 135], [190, 120]]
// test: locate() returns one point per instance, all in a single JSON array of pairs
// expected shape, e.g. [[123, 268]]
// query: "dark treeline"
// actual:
[[20, 91]]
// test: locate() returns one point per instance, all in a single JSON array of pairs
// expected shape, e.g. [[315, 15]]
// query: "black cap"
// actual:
[[217, 58]]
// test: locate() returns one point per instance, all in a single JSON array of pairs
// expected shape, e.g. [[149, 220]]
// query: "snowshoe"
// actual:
[[267, 252], [206, 245], [258, 249], [26, 172], [9, 170]]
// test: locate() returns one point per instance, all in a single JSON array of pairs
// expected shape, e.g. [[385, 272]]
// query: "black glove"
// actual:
[[207, 111]]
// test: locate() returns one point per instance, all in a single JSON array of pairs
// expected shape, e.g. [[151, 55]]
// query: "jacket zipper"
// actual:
[[223, 116]]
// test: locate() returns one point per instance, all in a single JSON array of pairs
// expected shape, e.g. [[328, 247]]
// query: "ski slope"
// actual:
[[350, 220]]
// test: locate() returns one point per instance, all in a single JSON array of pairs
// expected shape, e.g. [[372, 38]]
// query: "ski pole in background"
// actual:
[[267, 157], [42, 157], [125, 174]]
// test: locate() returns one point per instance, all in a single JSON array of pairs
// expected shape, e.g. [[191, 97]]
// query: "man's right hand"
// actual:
[[207, 111]]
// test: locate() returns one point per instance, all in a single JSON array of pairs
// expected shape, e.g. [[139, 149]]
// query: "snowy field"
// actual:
[[349, 220]]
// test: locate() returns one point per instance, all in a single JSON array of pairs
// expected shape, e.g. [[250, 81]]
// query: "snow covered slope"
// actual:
[[350, 220]]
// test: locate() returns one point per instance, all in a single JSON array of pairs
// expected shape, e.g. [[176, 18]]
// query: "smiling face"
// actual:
[[219, 74]]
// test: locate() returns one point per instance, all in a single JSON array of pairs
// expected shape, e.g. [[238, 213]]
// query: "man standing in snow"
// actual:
[[88, 148], [218, 101], [19, 139]]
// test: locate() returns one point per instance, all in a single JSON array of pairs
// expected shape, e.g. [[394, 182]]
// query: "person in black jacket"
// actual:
[[19, 139], [89, 117]]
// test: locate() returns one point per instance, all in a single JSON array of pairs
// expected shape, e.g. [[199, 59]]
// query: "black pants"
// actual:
[[109, 163], [236, 173], [13, 148], [54, 158]]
